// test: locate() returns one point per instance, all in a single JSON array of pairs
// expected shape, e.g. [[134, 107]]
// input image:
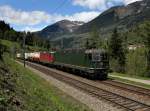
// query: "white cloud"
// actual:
[[130, 1], [82, 16], [19, 17], [100, 4], [30, 29], [32, 20], [92, 4]]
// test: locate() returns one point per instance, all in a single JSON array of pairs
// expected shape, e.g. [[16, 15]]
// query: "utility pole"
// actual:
[[24, 48], [13, 51], [62, 43]]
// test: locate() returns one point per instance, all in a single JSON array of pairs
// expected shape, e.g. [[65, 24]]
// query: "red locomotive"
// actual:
[[45, 57]]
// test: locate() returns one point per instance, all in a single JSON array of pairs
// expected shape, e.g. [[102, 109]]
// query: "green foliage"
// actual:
[[3, 49], [4, 26], [94, 40], [47, 45], [117, 51], [146, 34], [136, 62], [114, 65], [29, 39], [105, 44], [1, 52], [87, 44], [9, 43], [7, 33]]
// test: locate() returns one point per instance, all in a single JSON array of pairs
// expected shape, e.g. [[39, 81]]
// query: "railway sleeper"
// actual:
[[104, 95], [118, 100], [143, 109], [112, 99], [132, 105], [136, 107], [126, 103], [109, 96]]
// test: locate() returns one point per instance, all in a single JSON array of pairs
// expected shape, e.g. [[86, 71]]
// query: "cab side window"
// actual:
[[96, 57], [90, 56]]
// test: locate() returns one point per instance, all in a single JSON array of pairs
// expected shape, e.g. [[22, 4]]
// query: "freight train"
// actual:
[[91, 64]]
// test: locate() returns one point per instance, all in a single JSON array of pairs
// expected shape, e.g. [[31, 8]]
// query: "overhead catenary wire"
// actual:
[[60, 5], [56, 9]]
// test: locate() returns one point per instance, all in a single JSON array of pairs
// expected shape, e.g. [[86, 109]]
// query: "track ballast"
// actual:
[[115, 99]]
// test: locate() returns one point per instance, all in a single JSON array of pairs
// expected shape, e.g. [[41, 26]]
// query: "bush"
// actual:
[[2, 50], [114, 65], [136, 62]]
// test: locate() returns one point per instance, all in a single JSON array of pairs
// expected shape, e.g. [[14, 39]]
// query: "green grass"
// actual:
[[131, 76], [36, 48], [129, 81], [11, 44], [38, 95]]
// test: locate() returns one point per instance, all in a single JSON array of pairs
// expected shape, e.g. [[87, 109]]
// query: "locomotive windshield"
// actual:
[[98, 58], [96, 55]]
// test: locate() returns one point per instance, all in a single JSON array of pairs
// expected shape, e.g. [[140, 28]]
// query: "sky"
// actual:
[[34, 15]]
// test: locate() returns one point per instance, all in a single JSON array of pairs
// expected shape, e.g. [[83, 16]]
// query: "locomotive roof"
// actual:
[[95, 51]]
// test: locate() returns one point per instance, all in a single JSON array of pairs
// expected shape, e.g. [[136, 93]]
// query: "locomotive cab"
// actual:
[[99, 62]]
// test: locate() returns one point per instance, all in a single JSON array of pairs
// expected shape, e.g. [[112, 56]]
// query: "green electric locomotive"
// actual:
[[92, 63]]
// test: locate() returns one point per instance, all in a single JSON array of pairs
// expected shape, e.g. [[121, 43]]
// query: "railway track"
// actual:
[[127, 87], [115, 99]]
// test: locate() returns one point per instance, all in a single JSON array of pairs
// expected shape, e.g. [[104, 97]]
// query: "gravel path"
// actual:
[[133, 79], [92, 102]]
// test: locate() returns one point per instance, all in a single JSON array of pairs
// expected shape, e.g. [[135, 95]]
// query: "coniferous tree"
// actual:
[[103, 43], [4, 27], [94, 38], [0, 51], [116, 50], [47, 45], [29, 38], [87, 45]]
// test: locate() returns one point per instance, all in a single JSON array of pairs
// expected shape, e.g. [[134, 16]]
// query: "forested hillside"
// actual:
[[8, 33], [130, 51]]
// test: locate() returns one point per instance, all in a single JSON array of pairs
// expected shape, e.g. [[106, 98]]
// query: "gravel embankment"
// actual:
[[92, 102]]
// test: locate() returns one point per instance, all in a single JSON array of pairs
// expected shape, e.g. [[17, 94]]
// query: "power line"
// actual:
[[60, 5]]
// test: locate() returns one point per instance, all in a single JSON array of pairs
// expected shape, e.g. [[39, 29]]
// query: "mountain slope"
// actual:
[[60, 28], [120, 16]]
